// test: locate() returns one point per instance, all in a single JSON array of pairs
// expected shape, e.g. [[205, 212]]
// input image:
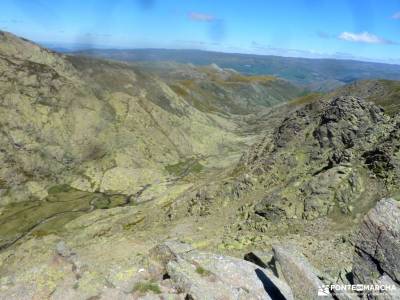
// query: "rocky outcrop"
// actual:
[[209, 276], [169, 251], [348, 122], [284, 273], [378, 246], [171, 270], [329, 155]]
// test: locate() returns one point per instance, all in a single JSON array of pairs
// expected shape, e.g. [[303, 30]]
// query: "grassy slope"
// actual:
[[385, 93], [211, 89]]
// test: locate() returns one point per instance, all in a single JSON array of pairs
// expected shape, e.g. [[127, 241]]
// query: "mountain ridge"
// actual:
[[315, 74], [193, 50]]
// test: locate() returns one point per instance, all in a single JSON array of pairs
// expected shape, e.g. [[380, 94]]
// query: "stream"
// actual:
[[48, 216]]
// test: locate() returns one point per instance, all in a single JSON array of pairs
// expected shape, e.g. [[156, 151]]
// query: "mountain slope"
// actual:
[[211, 88], [382, 92], [336, 154], [95, 125]]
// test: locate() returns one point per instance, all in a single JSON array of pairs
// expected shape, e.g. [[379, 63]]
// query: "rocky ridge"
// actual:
[[175, 270], [328, 159], [338, 154]]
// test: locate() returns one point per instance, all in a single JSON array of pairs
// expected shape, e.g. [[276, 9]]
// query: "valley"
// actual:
[[103, 161]]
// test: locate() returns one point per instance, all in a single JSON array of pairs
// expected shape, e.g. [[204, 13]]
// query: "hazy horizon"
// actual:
[[344, 29], [70, 48]]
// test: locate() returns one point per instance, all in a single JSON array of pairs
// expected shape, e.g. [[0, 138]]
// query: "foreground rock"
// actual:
[[210, 276], [297, 272], [377, 258]]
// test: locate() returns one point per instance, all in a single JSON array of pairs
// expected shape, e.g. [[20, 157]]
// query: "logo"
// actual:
[[323, 291], [373, 289]]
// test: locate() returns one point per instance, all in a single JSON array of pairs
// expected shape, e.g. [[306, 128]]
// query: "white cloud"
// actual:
[[396, 16], [200, 17], [261, 49], [363, 37]]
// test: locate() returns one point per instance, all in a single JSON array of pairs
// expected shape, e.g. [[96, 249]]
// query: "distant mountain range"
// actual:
[[314, 74]]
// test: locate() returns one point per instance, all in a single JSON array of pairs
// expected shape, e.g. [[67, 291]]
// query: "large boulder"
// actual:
[[298, 272], [378, 244], [203, 275], [168, 251]]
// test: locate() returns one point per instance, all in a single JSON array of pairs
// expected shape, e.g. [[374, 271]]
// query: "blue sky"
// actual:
[[360, 29]]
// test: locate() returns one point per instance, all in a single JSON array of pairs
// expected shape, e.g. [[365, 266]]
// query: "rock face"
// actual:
[[329, 155], [297, 271], [347, 123], [378, 244], [171, 270], [210, 276]]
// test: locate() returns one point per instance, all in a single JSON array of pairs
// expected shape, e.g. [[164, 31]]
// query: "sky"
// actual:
[[352, 29]]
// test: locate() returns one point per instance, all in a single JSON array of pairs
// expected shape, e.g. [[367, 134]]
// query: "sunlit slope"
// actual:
[[213, 89], [95, 125], [385, 93]]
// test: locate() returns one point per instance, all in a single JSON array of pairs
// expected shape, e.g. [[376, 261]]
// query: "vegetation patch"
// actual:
[[185, 167], [61, 188], [202, 272], [3, 184], [40, 233], [391, 99], [180, 91], [101, 202], [133, 223], [145, 287], [397, 196], [250, 79], [310, 98], [188, 83]]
